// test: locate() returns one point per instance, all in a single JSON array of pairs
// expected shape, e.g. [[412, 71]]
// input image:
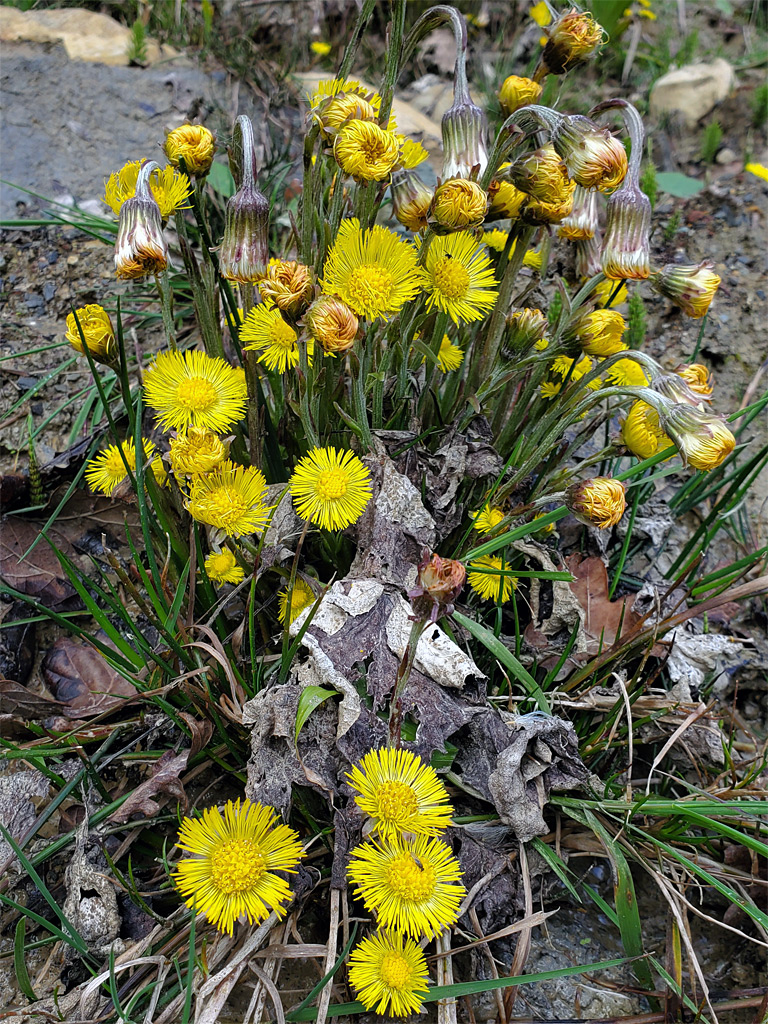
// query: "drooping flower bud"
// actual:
[[676, 389], [332, 323], [582, 221], [692, 288], [597, 502], [516, 92], [244, 249], [140, 248], [438, 584], [458, 204], [97, 331], [464, 124], [535, 211], [543, 176], [588, 256], [523, 329], [411, 199], [599, 333], [698, 378], [703, 439], [194, 144], [573, 39], [593, 157], [288, 284]]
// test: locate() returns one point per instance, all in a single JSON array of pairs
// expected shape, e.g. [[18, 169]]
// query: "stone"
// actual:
[[692, 90], [86, 35], [726, 156]]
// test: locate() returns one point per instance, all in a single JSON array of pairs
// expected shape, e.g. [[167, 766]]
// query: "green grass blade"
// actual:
[[19, 963]]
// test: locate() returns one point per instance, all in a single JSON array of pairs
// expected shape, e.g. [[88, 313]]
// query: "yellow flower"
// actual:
[[170, 188], [389, 974], [230, 498], [333, 324], [265, 331], [400, 793], [698, 378], [703, 439], [573, 39], [597, 502], [516, 92], [195, 389], [496, 239], [192, 143], [549, 389], [320, 48], [537, 212], [460, 279], [104, 472], [493, 585], [330, 488], [594, 158], [524, 328], [412, 154], [338, 101], [692, 288], [459, 204], [375, 272], [540, 13], [288, 284], [759, 170], [542, 175], [486, 519], [97, 330], [562, 365], [641, 431], [196, 450], [626, 373], [222, 567], [600, 333], [414, 888], [450, 356], [235, 856], [506, 200], [302, 597], [411, 199], [605, 289], [366, 151]]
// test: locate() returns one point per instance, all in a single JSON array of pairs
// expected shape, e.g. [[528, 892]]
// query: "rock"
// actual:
[[726, 156], [86, 35], [693, 90]]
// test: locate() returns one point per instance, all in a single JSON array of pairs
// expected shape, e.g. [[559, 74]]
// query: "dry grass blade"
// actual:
[[694, 716]]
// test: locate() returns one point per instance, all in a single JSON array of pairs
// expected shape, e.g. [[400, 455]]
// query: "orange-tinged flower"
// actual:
[[597, 502]]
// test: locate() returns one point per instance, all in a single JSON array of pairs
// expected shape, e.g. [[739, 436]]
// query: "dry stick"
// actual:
[[446, 1008], [330, 957], [271, 970], [486, 950], [523, 947]]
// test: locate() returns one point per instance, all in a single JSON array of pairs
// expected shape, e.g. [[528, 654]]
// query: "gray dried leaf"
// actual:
[[17, 811], [91, 902]]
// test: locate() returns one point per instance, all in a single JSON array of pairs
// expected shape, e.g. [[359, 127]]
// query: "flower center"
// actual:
[[282, 335], [370, 286], [411, 879], [226, 505], [236, 865], [394, 971], [372, 149], [451, 278], [332, 484], [196, 393], [397, 801]]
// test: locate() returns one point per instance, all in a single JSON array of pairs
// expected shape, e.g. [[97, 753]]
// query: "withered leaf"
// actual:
[[17, 643], [18, 700], [201, 731], [39, 575], [163, 782], [80, 678], [602, 617]]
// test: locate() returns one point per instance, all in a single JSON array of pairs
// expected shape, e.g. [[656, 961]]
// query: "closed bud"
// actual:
[[572, 39], [465, 152], [458, 204], [196, 450], [535, 211], [582, 221], [641, 431], [332, 323], [674, 387], [597, 502], [194, 144], [411, 199], [626, 247], [703, 439], [140, 248], [593, 157], [438, 584], [244, 248], [692, 288], [289, 285], [517, 92], [600, 333], [97, 332], [543, 176], [523, 329]]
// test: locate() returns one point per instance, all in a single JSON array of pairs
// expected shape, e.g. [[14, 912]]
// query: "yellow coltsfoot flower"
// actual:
[[412, 154], [288, 284], [698, 378], [413, 887], [400, 793], [265, 331], [222, 567], [333, 324], [236, 855], [459, 277], [366, 151], [597, 502], [491, 579], [302, 597], [626, 373], [194, 144], [108, 469], [388, 973], [593, 157], [703, 439], [411, 199], [572, 39], [600, 333], [195, 389], [230, 498], [642, 433], [692, 288], [170, 188], [196, 450], [542, 175], [97, 330], [330, 488], [486, 519], [516, 92], [458, 204], [449, 356], [505, 199], [338, 101]]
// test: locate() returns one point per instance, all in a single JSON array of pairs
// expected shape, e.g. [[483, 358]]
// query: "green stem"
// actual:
[[401, 681], [251, 360], [163, 282]]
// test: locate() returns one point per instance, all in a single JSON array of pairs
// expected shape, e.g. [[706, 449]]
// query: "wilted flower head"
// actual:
[[366, 151], [411, 199], [698, 378], [703, 439], [593, 157], [572, 39], [288, 284], [97, 331], [458, 204], [332, 323], [140, 248], [516, 92], [542, 175], [582, 221], [599, 333], [597, 502], [692, 288], [194, 144], [438, 584]]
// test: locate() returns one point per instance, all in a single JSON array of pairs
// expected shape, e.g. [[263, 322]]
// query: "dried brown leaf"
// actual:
[[39, 575], [164, 782], [80, 678], [604, 620]]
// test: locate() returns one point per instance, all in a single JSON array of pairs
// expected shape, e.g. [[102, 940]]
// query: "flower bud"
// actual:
[[194, 144], [641, 431], [516, 92], [692, 288], [543, 176], [600, 333], [676, 389], [97, 331], [288, 284], [465, 153], [698, 378], [438, 584], [597, 502], [587, 257], [703, 439], [196, 450], [244, 248], [140, 248], [593, 157], [523, 329], [411, 199], [458, 204], [626, 248], [573, 39], [582, 221], [535, 211], [332, 323]]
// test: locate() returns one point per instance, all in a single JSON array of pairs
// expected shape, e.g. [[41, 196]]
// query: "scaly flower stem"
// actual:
[[307, 215], [401, 681], [250, 363], [163, 282], [392, 70], [432, 369]]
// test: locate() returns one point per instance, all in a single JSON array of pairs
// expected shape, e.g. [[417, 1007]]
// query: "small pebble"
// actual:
[[72, 260], [53, 257], [49, 290]]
